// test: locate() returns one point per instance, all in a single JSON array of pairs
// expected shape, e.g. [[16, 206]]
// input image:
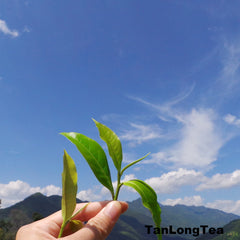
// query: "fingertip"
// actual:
[[124, 206], [113, 210]]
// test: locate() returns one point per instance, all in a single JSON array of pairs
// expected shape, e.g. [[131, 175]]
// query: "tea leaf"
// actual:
[[75, 225], [69, 187], [113, 143], [132, 163], [95, 157], [149, 199]]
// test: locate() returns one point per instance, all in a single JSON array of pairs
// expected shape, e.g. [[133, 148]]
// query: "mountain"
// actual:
[[32, 208], [36, 203], [130, 226], [231, 232], [182, 216]]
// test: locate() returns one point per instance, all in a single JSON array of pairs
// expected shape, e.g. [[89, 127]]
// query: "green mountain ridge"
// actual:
[[190, 216], [131, 224]]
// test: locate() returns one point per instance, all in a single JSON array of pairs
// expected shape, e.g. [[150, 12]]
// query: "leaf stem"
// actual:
[[65, 224], [62, 228], [119, 184], [130, 164], [112, 195], [75, 214]]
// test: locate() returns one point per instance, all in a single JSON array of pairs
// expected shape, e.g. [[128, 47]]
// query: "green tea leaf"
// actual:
[[95, 157], [113, 143], [75, 225], [69, 187], [132, 163], [149, 199]]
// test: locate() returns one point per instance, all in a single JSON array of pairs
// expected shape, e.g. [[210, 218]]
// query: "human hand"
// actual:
[[101, 217]]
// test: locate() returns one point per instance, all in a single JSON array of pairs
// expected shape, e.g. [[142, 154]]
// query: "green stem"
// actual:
[[112, 195], [65, 223], [117, 192], [130, 164], [62, 229], [119, 184], [75, 214]]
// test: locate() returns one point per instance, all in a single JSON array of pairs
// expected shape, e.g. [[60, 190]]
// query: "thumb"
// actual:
[[100, 226]]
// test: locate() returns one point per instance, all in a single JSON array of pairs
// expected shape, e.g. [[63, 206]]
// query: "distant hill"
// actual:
[[131, 225], [182, 216], [231, 232], [35, 203], [26, 211]]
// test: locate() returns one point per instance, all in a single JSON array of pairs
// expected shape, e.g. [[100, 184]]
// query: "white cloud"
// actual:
[[99, 193], [136, 169], [126, 178], [218, 181], [4, 29], [199, 141], [88, 195], [51, 190], [171, 182], [158, 158], [188, 201], [229, 206], [141, 133], [229, 76], [16, 191], [232, 120]]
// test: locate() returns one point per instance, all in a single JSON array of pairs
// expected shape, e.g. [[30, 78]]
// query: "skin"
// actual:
[[101, 217]]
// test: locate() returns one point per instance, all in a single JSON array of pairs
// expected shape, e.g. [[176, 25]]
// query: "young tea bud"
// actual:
[[75, 225]]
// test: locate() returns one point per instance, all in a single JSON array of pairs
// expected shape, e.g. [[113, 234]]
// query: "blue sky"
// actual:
[[165, 76]]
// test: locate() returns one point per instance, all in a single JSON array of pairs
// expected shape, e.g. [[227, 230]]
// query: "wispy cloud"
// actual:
[[231, 61], [26, 29], [232, 120], [4, 29], [141, 133], [230, 58], [165, 110], [226, 180]]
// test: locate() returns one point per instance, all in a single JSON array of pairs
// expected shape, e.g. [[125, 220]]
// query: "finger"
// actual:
[[90, 211], [101, 225]]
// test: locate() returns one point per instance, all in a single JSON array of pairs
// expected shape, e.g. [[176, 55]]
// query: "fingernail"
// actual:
[[113, 210]]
